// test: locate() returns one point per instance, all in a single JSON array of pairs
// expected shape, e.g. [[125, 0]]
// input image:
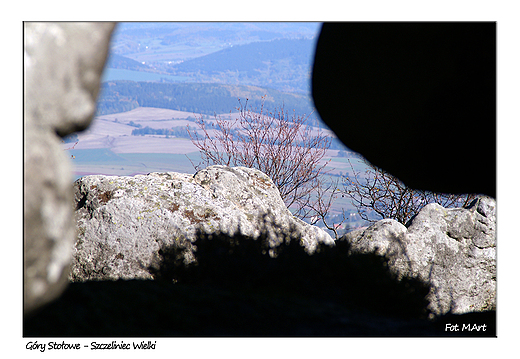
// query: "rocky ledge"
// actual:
[[453, 250], [218, 254], [124, 223], [127, 226]]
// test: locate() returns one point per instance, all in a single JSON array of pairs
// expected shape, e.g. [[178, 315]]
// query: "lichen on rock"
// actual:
[[132, 218]]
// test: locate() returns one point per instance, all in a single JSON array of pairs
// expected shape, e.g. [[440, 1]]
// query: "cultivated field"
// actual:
[[115, 133], [105, 147]]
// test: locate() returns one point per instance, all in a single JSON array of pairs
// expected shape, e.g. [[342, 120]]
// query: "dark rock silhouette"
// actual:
[[237, 289], [415, 99]]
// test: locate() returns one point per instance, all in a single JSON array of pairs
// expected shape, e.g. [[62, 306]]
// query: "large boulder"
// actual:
[[451, 249], [63, 66], [413, 91], [125, 222]]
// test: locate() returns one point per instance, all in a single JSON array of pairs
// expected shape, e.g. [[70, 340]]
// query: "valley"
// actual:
[[160, 77], [113, 134]]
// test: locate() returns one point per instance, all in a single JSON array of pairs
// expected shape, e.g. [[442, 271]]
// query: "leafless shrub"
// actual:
[[319, 209], [281, 146], [383, 194]]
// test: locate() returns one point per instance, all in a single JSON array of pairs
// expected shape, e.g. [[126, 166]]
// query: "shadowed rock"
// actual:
[[451, 249], [123, 222]]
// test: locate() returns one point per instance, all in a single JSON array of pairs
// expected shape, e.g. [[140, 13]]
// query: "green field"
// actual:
[[101, 156], [165, 161], [104, 161]]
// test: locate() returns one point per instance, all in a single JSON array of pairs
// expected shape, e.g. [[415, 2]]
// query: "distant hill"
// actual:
[[284, 64], [115, 61], [252, 57], [203, 98], [155, 42], [276, 55]]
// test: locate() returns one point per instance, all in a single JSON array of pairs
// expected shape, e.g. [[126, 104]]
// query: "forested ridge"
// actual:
[[252, 57], [277, 56], [203, 98], [121, 62], [283, 64]]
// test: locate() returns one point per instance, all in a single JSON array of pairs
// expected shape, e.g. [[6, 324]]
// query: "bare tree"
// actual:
[[385, 195], [320, 207], [281, 146]]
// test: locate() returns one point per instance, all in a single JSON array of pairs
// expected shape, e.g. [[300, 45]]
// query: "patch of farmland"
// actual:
[[147, 114], [153, 144]]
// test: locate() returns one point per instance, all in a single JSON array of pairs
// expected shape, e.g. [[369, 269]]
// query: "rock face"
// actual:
[[124, 222], [63, 66], [454, 250]]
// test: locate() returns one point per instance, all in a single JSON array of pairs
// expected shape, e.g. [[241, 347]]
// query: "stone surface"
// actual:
[[454, 250], [63, 65], [123, 222]]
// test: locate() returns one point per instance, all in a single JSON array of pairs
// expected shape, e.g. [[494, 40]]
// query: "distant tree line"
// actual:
[[251, 57], [133, 124], [182, 132], [110, 101], [283, 64], [200, 98], [179, 131]]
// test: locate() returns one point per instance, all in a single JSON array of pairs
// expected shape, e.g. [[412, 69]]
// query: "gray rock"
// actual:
[[123, 222], [454, 250], [63, 65]]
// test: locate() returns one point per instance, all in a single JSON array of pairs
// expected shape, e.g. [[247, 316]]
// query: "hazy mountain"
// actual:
[[268, 54], [148, 41], [283, 64]]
